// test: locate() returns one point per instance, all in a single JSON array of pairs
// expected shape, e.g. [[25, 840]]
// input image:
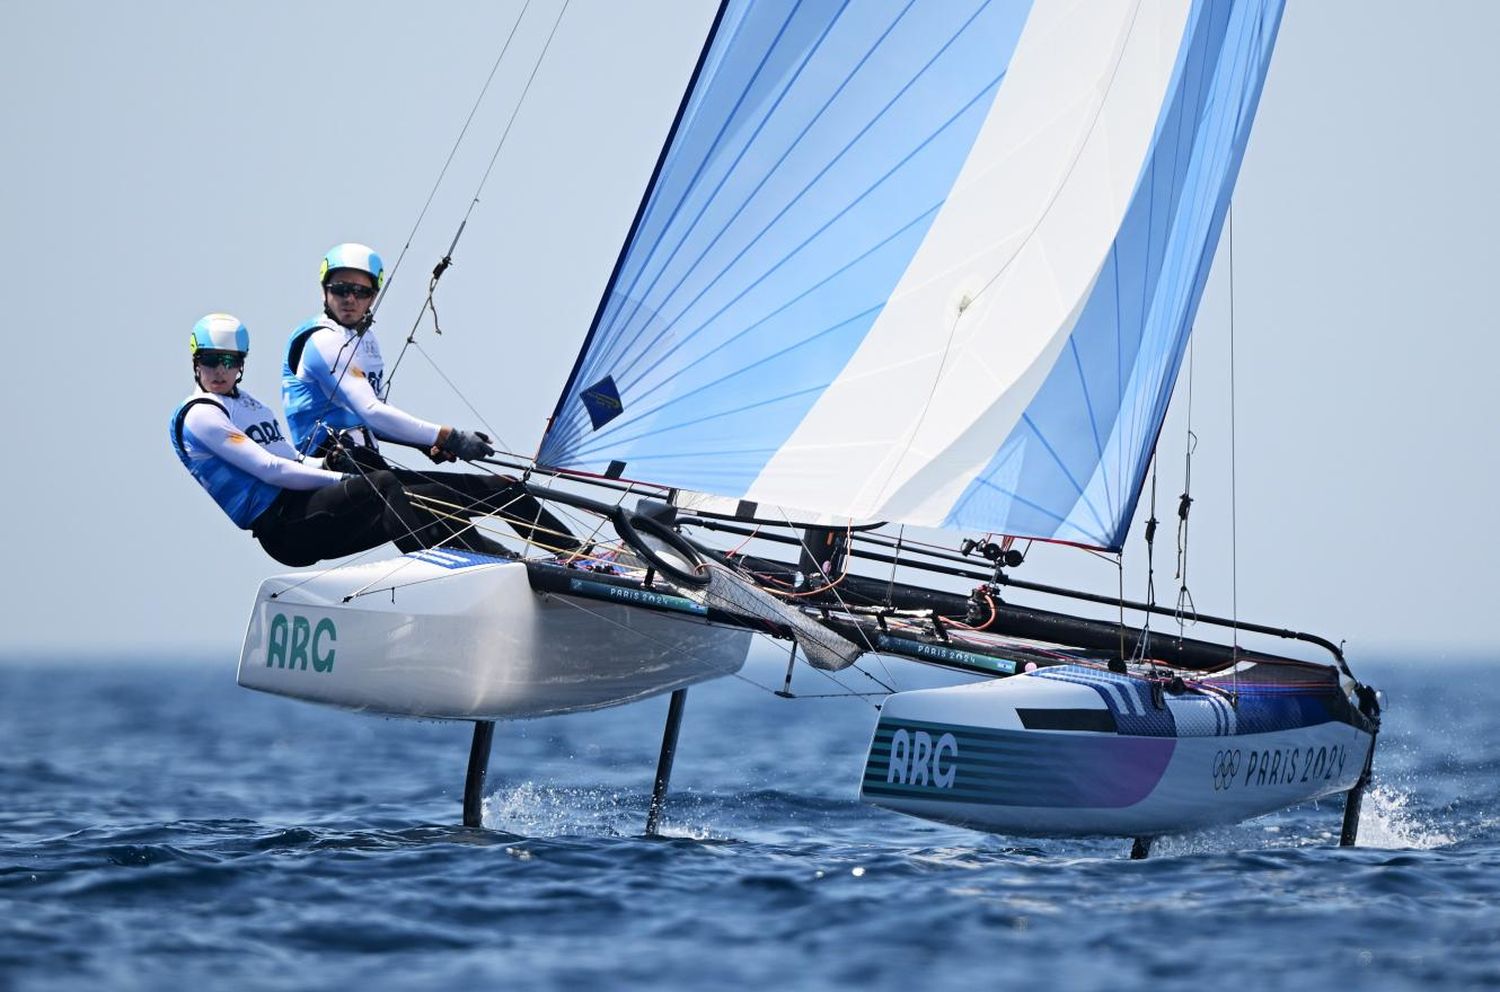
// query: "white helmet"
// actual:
[[220, 332], [361, 258]]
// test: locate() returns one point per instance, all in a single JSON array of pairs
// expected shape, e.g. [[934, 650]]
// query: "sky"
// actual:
[[165, 160]]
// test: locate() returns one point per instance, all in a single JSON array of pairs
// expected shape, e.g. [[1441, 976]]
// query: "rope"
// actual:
[[1186, 608], [460, 394], [447, 259], [1143, 643], [449, 161], [1234, 570], [521, 101]]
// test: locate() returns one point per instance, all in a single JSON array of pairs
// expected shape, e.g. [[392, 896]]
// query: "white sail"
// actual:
[[932, 262]]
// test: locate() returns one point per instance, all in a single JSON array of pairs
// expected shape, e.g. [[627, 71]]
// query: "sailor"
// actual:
[[331, 388], [331, 380], [300, 512]]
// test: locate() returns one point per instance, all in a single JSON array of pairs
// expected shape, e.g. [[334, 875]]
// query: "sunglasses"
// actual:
[[220, 361], [354, 289]]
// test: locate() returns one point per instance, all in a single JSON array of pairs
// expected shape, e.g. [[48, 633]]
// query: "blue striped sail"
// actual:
[[931, 261]]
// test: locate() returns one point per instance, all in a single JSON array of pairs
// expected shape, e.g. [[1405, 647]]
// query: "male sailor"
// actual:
[[332, 377], [331, 390], [301, 513]]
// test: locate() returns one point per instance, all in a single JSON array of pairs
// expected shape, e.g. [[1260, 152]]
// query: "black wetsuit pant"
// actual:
[[306, 526], [414, 509]]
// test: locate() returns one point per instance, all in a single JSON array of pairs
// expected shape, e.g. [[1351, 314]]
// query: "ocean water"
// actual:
[[162, 828]]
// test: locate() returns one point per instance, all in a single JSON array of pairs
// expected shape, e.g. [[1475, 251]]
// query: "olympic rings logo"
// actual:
[[1226, 766]]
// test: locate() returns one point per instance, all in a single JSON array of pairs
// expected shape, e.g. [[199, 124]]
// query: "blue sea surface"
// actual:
[[162, 828]]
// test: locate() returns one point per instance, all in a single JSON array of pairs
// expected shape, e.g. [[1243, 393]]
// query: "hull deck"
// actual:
[[456, 635], [1078, 750]]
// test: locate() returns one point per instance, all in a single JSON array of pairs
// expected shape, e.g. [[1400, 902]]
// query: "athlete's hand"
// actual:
[[467, 445]]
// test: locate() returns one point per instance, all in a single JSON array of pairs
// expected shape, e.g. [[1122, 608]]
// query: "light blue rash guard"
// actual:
[[235, 449], [330, 383]]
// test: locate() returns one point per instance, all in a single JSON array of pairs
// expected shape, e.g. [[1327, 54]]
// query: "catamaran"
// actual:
[[909, 268]]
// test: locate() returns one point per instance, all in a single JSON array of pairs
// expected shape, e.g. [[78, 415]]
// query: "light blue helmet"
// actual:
[[361, 258], [220, 332]]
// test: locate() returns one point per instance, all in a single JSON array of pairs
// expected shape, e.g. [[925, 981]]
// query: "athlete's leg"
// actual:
[[345, 518]]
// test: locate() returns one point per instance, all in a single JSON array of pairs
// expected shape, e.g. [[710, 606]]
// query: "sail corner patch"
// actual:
[[602, 401]]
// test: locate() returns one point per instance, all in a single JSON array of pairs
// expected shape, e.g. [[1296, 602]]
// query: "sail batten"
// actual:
[[932, 261]]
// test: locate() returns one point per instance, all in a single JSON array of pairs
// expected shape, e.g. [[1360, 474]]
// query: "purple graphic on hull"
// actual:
[[916, 759]]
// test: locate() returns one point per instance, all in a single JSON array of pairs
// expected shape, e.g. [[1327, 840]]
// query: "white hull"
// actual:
[[449, 635], [973, 755]]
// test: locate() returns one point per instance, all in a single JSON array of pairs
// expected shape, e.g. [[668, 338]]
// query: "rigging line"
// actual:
[[477, 506], [1234, 574], [464, 399], [836, 695], [442, 266], [435, 477], [353, 560], [447, 260], [395, 587], [890, 591], [452, 152], [404, 561], [471, 524], [849, 691], [1185, 605], [310, 576], [890, 584], [1120, 582], [442, 510], [428, 304], [1145, 635], [514, 113]]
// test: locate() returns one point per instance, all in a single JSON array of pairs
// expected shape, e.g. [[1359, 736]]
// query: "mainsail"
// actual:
[[931, 262]]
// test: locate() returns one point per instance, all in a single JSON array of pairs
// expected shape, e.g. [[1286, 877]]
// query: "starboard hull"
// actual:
[[1074, 752], [452, 635]]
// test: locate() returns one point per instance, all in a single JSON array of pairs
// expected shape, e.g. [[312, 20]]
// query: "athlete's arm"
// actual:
[[211, 427], [342, 381]]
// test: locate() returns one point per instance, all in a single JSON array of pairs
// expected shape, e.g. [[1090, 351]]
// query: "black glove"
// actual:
[[339, 460], [467, 445]]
